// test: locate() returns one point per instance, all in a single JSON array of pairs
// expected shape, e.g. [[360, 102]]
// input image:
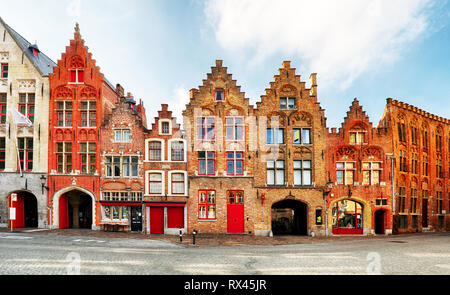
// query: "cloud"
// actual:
[[340, 40], [178, 101]]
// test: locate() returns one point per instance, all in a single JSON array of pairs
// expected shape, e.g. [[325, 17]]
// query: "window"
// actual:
[[125, 166], [219, 95], [424, 139], [3, 108], [357, 137], [178, 184], [4, 71], [64, 157], [64, 113], [425, 165], [205, 127], [275, 172], [116, 213], [275, 136], [88, 113], [302, 172], [207, 204], [401, 132], [287, 103], [26, 105], [301, 135], [401, 199], [235, 197], [124, 196], [414, 168], [155, 151], [234, 128], [371, 173], [235, 163], [403, 161], [122, 135], [414, 140], [2, 153], [206, 163], [155, 183], [88, 157], [165, 127], [438, 202], [413, 203], [77, 76], [345, 172], [438, 143], [177, 150], [439, 173], [381, 202]]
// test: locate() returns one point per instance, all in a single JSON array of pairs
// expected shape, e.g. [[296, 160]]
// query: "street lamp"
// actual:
[[326, 192], [43, 181]]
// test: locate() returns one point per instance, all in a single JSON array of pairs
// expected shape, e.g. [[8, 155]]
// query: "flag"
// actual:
[[20, 119]]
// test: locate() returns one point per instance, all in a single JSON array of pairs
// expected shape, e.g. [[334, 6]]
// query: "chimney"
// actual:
[[313, 78], [119, 90], [192, 92]]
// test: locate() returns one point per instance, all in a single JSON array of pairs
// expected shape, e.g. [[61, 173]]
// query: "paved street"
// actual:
[[33, 253]]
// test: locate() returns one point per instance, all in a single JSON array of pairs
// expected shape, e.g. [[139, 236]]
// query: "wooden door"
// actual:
[[235, 212]]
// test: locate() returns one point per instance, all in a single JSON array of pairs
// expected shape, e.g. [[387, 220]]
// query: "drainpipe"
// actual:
[[393, 191]]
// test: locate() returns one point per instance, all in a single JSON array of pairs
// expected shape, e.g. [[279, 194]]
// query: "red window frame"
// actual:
[[178, 181], [2, 153], [3, 71], [207, 159], [206, 204], [234, 194], [89, 114], [77, 76], [88, 158], [234, 159], [25, 153], [27, 106], [3, 108], [205, 128]]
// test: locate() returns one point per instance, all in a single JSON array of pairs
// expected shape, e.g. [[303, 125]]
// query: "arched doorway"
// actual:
[[380, 222], [289, 217], [26, 210], [347, 217], [75, 210]]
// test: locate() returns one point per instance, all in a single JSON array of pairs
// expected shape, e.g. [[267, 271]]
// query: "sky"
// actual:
[[159, 49]]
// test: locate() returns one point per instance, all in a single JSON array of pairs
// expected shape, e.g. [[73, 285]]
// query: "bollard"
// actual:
[[181, 236], [194, 232]]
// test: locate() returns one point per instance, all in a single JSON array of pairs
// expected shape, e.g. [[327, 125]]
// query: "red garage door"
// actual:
[[157, 220], [175, 217]]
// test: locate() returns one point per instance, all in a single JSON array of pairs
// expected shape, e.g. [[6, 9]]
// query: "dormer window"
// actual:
[[357, 137], [287, 103], [4, 71], [77, 76], [219, 95]]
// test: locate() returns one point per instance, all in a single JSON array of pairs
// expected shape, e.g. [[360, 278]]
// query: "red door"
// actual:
[[175, 217], [63, 212], [235, 212], [157, 220], [20, 216]]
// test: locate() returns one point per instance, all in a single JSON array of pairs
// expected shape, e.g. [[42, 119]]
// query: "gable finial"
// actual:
[[77, 28]]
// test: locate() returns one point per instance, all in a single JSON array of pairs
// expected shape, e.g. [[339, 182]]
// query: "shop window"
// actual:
[[207, 204], [26, 105], [347, 215], [64, 113]]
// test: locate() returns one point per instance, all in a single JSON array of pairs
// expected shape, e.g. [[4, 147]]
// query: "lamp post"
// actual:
[[326, 192], [43, 181]]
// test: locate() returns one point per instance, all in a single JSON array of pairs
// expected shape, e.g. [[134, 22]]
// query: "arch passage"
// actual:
[[26, 210], [289, 217], [75, 210]]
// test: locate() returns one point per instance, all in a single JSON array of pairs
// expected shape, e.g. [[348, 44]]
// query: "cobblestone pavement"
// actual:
[[46, 252]]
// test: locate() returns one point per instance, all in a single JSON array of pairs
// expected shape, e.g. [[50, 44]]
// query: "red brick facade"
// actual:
[[122, 154], [166, 181], [78, 92], [359, 166]]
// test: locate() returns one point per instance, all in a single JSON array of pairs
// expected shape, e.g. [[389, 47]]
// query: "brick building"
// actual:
[[289, 166], [24, 88], [421, 147], [80, 96], [122, 138], [221, 136], [166, 179], [358, 162]]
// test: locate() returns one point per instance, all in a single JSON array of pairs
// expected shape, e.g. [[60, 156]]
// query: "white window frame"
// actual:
[[160, 131], [147, 182], [169, 145], [121, 130], [147, 146], [169, 179]]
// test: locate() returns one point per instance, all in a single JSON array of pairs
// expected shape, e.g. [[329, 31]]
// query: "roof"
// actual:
[[42, 62]]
